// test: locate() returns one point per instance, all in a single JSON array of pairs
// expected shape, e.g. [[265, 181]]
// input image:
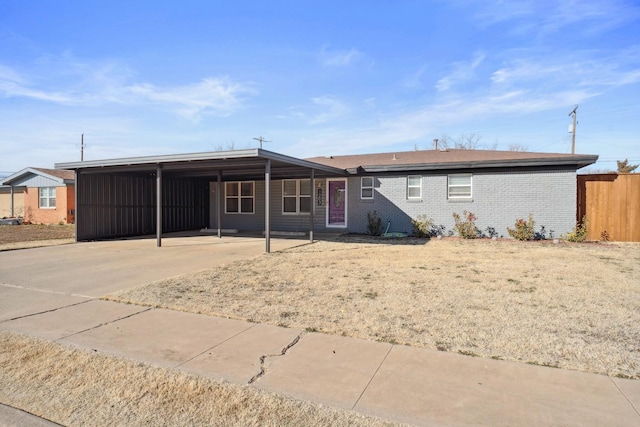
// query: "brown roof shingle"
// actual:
[[450, 157], [58, 173]]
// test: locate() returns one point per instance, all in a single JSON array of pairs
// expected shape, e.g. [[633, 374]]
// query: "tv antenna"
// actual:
[[572, 129], [261, 140], [82, 147]]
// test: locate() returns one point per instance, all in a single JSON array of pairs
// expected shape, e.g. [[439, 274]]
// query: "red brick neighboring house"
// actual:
[[49, 195]]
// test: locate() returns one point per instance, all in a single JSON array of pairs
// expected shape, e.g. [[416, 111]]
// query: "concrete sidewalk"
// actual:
[[411, 385]]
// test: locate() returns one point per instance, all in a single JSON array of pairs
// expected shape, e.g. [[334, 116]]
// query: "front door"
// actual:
[[337, 203]]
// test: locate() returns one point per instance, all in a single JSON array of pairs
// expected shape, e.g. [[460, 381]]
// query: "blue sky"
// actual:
[[315, 77]]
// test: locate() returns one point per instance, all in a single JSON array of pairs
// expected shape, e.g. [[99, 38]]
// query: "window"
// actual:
[[459, 186], [366, 187], [414, 186], [239, 197], [47, 197], [296, 196]]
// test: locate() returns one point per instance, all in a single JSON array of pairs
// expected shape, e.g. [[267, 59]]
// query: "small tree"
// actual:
[[625, 167]]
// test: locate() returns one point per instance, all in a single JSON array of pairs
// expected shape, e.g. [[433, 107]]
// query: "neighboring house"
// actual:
[[260, 190], [49, 195], [11, 201]]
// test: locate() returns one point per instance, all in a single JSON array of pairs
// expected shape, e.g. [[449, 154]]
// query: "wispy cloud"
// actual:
[[13, 85], [333, 109], [461, 71], [547, 18], [103, 84], [216, 96], [340, 58]]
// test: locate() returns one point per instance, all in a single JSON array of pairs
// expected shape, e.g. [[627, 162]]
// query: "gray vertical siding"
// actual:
[[499, 198]]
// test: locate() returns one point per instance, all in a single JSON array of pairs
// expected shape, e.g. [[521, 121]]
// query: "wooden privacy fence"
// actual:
[[611, 203]]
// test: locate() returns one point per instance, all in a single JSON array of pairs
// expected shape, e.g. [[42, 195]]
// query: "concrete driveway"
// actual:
[[57, 276]]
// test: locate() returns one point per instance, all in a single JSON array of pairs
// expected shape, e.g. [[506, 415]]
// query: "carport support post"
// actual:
[[218, 202], [76, 203], [267, 206], [12, 209], [312, 208], [159, 205]]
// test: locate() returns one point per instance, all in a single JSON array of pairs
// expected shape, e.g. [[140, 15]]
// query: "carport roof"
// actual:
[[234, 164]]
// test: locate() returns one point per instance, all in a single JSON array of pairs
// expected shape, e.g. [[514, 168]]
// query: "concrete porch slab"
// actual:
[[238, 359], [162, 337], [324, 368], [12, 301], [67, 321], [430, 387]]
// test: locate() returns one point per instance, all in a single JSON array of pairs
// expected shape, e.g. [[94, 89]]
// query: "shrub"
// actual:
[[524, 229], [579, 232], [466, 227], [374, 223], [421, 226]]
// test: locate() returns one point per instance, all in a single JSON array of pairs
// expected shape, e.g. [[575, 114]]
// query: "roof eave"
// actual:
[[578, 161], [18, 175], [204, 156]]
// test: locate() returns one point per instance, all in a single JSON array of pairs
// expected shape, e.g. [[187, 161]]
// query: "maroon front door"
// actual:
[[337, 203]]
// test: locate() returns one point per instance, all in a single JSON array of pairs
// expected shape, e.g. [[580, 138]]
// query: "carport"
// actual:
[[141, 195]]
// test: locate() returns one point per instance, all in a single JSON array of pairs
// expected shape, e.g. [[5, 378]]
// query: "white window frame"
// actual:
[[298, 196], [409, 186], [450, 186], [366, 187], [239, 197], [47, 198]]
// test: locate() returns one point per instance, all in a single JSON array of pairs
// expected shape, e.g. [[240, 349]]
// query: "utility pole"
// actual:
[[573, 128], [82, 147], [261, 140]]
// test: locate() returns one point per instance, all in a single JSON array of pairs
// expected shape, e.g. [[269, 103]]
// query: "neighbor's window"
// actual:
[[366, 187], [239, 197], [414, 186], [47, 197], [459, 186], [296, 196]]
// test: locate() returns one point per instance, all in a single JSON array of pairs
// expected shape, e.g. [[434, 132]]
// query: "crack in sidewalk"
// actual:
[[263, 371], [45, 311], [105, 323]]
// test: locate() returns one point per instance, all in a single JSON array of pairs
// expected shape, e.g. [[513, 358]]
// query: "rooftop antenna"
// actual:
[[572, 129], [261, 140]]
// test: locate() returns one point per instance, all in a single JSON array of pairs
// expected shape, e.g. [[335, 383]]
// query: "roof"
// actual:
[[61, 176], [245, 164], [451, 159]]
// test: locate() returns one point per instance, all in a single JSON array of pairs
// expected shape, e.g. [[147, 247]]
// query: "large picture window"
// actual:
[[414, 187], [459, 186], [296, 196], [47, 196], [239, 197], [366, 188]]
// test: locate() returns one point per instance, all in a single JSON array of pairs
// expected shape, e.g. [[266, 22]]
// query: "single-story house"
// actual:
[[259, 190], [48, 198]]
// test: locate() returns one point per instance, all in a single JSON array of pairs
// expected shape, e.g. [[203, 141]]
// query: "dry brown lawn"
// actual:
[[79, 387], [573, 306], [29, 236]]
